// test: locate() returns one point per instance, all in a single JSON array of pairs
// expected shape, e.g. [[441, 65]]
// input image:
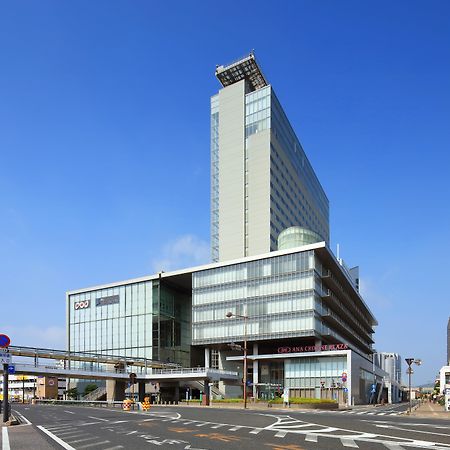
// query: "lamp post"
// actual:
[[410, 371], [229, 315]]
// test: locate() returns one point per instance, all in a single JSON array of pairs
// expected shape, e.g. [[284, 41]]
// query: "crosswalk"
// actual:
[[83, 434], [357, 412]]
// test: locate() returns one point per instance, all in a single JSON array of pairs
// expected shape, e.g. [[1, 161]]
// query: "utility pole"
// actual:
[[5, 393], [244, 378], [410, 371]]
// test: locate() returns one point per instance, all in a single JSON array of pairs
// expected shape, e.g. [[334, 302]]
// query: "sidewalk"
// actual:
[[431, 411]]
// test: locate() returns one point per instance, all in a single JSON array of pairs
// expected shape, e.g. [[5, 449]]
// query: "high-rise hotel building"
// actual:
[[261, 179], [295, 305]]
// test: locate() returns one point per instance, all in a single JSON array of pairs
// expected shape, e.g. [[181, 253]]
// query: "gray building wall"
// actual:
[[261, 179], [231, 171]]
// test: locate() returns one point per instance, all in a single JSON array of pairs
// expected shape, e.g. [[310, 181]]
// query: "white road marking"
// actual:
[[311, 438], [56, 438], [393, 446], [256, 430], [119, 421], [68, 433], [82, 440], [411, 431], [281, 434], [114, 448], [5, 439], [202, 424], [349, 443], [89, 423], [98, 418], [238, 427], [69, 412], [23, 418], [219, 425], [131, 432], [93, 444]]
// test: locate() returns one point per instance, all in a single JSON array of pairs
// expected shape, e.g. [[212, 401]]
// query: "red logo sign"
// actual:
[[82, 305], [4, 341], [313, 348]]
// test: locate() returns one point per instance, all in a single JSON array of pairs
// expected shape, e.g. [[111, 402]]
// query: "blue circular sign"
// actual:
[[4, 341]]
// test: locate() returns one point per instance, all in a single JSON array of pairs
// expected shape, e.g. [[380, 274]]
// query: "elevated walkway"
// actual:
[[179, 374]]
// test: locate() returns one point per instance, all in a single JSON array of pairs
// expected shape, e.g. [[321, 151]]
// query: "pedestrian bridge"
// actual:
[[147, 375]]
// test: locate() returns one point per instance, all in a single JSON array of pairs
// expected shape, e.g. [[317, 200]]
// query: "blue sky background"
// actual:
[[104, 146]]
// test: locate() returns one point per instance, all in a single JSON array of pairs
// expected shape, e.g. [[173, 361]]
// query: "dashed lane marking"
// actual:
[[311, 438], [69, 412], [256, 431], [82, 440], [94, 444], [349, 443], [281, 434], [98, 418]]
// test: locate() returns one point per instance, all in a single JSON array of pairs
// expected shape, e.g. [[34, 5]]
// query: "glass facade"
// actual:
[[276, 293], [145, 320], [311, 372], [215, 178], [114, 321]]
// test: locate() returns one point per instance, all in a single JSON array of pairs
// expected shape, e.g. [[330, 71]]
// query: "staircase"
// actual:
[[214, 391], [98, 394]]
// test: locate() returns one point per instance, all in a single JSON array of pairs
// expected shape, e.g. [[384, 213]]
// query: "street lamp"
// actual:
[[229, 315], [410, 371]]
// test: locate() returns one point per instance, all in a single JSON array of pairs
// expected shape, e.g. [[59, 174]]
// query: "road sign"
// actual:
[[11, 369], [345, 389], [4, 341], [5, 357]]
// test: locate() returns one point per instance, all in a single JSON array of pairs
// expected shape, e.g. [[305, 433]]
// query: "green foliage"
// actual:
[[228, 400], [302, 401], [73, 393], [89, 388]]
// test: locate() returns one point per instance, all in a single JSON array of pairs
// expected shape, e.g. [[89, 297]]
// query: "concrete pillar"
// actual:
[[255, 372], [141, 390], [207, 358], [206, 393], [115, 390]]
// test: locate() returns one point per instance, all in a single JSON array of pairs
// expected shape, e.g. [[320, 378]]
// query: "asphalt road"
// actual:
[[196, 428]]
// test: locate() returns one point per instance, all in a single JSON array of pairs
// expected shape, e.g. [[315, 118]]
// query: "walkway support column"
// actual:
[[115, 390], [255, 372], [141, 390]]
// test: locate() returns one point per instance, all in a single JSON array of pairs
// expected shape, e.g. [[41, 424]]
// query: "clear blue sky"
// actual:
[[104, 146]]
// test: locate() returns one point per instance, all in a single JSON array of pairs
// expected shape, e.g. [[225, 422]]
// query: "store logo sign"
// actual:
[[82, 305], [111, 300], [313, 348]]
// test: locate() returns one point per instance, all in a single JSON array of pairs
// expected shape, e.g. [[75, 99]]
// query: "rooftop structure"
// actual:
[[243, 69], [261, 179]]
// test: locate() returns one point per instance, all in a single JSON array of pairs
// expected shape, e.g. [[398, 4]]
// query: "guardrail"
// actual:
[[99, 404]]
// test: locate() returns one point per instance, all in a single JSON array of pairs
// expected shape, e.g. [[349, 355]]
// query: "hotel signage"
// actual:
[[313, 348], [111, 300]]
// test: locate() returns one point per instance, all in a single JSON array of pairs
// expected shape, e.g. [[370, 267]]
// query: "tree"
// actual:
[[89, 388], [73, 393]]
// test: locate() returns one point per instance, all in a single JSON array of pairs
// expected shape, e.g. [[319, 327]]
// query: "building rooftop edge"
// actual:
[[316, 246]]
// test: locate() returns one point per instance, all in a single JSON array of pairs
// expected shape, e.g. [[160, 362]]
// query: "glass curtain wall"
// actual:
[[115, 321], [276, 293]]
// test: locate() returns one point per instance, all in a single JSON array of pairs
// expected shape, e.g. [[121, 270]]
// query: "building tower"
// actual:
[[261, 179]]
